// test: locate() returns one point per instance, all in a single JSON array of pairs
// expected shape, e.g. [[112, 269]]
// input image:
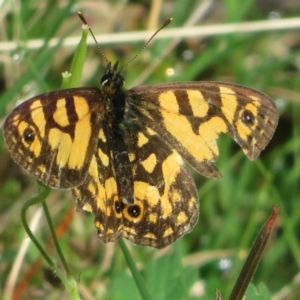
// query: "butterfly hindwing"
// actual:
[[165, 197], [99, 193]]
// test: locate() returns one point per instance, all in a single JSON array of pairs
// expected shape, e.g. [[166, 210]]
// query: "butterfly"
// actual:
[[122, 152]]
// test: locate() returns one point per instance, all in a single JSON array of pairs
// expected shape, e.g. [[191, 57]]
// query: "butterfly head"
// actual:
[[112, 81]]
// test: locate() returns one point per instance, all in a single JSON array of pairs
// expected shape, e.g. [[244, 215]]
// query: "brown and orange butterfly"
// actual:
[[122, 152]]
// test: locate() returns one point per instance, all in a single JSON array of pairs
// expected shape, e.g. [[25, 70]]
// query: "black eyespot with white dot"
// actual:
[[248, 117], [29, 135], [134, 211], [119, 206]]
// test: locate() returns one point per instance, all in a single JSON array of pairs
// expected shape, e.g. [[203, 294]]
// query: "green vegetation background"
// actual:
[[232, 209]]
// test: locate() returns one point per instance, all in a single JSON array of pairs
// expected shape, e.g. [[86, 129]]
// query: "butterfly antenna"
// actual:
[[82, 18], [148, 42]]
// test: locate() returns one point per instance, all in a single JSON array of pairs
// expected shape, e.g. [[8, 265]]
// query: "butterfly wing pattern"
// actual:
[[122, 152]]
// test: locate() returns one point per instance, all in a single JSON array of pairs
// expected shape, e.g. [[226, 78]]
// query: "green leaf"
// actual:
[[262, 293]]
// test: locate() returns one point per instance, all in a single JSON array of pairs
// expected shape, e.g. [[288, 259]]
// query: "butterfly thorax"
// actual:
[[112, 88]]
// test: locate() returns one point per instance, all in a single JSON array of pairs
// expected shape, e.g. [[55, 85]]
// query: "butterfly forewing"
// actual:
[[191, 116], [53, 136]]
